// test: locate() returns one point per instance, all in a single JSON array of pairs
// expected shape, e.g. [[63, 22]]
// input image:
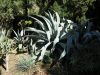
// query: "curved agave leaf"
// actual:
[[69, 21], [63, 45], [16, 38], [34, 48], [31, 42], [22, 33], [36, 37], [35, 30], [63, 31], [62, 54], [39, 22], [40, 41], [63, 36], [56, 40], [15, 33], [48, 24], [53, 22], [43, 50], [48, 35], [57, 21], [54, 43], [19, 35]]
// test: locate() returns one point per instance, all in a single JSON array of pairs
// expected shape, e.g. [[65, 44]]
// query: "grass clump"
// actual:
[[25, 64]]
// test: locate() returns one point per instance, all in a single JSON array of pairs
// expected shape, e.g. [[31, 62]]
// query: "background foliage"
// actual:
[[72, 9], [18, 14]]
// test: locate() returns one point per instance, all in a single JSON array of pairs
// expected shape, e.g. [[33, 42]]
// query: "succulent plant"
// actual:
[[53, 30]]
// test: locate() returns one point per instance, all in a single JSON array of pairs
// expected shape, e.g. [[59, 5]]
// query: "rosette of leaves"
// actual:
[[53, 30], [20, 39]]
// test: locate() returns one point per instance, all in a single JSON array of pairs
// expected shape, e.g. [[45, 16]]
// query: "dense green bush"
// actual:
[[72, 9]]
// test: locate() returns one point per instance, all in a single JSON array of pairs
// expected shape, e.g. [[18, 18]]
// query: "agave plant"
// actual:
[[53, 30], [20, 39]]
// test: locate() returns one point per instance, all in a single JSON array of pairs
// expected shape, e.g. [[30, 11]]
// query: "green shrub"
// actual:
[[72, 9], [25, 64]]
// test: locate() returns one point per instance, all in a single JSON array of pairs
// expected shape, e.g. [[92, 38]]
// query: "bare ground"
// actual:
[[13, 60]]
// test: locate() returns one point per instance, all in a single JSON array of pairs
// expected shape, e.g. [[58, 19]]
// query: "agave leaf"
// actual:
[[54, 43], [36, 37], [31, 42], [53, 22], [39, 22], [69, 21], [48, 35], [36, 52], [63, 35], [58, 20], [40, 41], [59, 31], [33, 36], [35, 30], [18, 33], [48, 24], [43, 50], [34, 48], [25, 39], [15, 33], [56, 40], [62, 54], [19, 37], [22, 32], [63, 45], [63, 31], [16, 38]]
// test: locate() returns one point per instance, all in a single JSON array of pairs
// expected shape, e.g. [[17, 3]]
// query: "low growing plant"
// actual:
[[25, 64]]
